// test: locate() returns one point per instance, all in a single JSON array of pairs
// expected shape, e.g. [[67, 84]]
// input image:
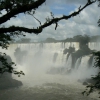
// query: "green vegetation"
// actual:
[[82, 39], [96, 85]]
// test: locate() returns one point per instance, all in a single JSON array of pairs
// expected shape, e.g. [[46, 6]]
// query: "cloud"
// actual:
[[59, 8], [51, 2], [84, 23]]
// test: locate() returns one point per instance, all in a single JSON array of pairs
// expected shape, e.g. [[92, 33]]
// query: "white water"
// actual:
[[94, 45], [38, 84], [84, 71]]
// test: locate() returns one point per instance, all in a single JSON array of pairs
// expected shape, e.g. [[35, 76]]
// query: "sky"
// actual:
[[84, 23]]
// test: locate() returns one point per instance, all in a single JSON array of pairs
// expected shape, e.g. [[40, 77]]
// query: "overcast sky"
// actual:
[[84, 23]]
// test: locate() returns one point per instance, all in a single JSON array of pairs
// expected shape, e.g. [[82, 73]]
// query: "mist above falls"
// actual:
[[37, 62]]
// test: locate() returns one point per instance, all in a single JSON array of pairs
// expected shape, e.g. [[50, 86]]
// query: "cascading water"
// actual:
[[84, 70], [49, 55], [38, 64], [94, 45], [77, 64], [69, 62]]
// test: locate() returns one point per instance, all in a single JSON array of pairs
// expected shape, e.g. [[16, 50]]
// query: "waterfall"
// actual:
[[85, 71], [84, 63], [50, 55], [78, 62], [47, 73], [94, 45], [69, 63]]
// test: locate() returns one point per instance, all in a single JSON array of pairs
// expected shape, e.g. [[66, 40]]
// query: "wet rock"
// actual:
[[91, 81], [79, 80], [9, 83], [85, 83]]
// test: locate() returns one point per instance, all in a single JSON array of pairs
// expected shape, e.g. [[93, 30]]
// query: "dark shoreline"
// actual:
[[9, 83]]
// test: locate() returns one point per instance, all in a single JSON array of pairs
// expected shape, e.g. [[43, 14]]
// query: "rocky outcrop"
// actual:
[[69, 50], [83, 51], [87, 81]]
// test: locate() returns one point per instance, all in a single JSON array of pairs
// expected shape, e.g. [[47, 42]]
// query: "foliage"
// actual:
[[82, 39], [96, 85], [7, 66]]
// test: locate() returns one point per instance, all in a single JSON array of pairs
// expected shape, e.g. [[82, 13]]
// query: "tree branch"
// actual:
[[21, 9], [46, 24], [55, 20], [20, 29]]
